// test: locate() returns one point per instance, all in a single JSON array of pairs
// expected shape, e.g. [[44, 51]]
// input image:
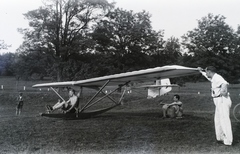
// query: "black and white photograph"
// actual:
[[119, 77]]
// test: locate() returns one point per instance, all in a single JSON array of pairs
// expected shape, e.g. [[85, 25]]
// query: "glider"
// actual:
[[122, 82]]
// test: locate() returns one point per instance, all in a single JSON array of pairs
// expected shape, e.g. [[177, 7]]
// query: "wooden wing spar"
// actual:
[[140, 76]]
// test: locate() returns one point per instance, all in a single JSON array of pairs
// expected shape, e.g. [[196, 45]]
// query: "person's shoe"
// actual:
[[226, 142]]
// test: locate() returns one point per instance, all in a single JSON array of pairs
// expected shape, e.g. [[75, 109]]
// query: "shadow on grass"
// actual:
[[155, 114]]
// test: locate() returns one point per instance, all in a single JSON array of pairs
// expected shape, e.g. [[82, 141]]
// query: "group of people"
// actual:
[[221, 99], [66, 106], [219, 93]]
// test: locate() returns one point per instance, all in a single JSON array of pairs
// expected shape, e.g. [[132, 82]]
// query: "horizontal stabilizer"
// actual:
[[162, 87], [158, 86]]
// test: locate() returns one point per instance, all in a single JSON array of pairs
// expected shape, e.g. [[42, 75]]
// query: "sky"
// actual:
[[175, 17]]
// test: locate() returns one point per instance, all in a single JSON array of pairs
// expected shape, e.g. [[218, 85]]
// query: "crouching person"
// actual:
[[173, 110]]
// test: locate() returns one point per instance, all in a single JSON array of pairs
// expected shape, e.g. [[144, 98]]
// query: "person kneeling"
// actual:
[[66, 106], [173, 110]]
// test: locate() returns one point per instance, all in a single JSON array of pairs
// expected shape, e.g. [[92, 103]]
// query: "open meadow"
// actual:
[[135, 127]]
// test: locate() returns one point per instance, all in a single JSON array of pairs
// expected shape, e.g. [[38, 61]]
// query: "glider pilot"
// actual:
[[66, 106]]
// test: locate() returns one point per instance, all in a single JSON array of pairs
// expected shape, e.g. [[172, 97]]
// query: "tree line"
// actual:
[[79, 39]]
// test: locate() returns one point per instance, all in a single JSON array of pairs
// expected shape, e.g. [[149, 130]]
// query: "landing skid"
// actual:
[[84, 113], [80, 115]]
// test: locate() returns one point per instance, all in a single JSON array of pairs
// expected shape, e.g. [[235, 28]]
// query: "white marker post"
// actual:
[[2, 87]]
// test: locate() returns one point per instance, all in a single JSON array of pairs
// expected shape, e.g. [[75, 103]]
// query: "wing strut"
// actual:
[[105, 84], [100, 99], [120, 100], [58, 94], [112, 99], [109, 97], [89, 103]]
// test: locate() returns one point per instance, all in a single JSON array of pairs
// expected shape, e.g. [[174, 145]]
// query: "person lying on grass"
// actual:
[[66, 106], [174, 109]]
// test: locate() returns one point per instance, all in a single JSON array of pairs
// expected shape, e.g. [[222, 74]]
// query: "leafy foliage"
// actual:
[[213, 43], [168, 53], [127, 37], [6, 64], [60, 29], [3, 45], [79, 39], [33, 66]]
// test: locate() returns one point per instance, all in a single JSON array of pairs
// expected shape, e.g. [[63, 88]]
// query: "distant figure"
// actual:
[[19, 104], [66, 106], [222, 101], [173, 110]]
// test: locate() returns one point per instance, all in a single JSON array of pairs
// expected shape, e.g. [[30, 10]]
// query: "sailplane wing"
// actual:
[[140, 76]]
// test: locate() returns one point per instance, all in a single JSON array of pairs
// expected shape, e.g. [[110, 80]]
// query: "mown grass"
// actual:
[[134, 127]]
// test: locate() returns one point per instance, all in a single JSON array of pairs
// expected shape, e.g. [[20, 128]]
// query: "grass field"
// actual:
[[135, 127]]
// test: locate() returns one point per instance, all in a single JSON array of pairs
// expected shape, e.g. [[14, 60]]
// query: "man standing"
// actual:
[[222, 103]]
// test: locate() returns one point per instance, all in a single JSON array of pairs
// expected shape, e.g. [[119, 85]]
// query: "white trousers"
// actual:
[[223, 127]]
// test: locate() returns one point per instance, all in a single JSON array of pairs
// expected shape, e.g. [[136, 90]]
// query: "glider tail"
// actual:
[[154, 92]]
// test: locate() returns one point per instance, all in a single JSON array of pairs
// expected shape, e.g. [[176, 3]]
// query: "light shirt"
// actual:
[[73, 100], [217, 80], [20, 98]]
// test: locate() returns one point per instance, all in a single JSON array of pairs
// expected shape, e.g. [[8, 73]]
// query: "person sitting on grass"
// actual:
[[174, 109], [66, 106]]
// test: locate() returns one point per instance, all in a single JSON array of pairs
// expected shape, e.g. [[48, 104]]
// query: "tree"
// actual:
[[3, 45], [6, 64], [170, 52], [33, 65], [127, 37], [213, 43], [60, 29]]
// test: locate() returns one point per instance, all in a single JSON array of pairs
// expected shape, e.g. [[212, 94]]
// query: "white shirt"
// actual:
[[217, 80], [73, 100]]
